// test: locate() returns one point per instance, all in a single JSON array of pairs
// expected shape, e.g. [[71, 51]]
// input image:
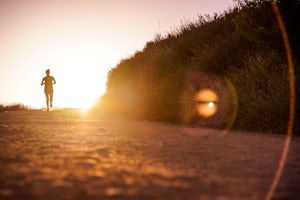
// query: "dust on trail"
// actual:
[[65, 154]]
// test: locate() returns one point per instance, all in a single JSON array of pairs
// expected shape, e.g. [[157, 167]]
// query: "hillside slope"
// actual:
[[238, 57]]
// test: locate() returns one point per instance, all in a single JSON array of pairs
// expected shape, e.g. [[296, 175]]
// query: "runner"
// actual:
[[48, 81]]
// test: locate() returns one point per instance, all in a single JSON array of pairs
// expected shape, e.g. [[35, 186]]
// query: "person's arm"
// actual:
[[54, 81], [42, 83]]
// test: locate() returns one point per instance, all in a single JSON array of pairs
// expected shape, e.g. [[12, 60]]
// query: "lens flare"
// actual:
[[206, 103], [211, 104], [292, 100]]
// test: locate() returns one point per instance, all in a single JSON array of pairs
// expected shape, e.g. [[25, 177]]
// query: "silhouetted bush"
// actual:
[[13, 107]]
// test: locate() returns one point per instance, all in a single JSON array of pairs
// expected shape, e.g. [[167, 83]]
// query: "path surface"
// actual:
[[66, 155]]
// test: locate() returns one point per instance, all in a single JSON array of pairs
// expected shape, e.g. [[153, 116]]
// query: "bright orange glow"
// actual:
[[206, 103], [206, 95]]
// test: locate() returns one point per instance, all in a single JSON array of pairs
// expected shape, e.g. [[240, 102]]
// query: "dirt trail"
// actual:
[[66, 155]]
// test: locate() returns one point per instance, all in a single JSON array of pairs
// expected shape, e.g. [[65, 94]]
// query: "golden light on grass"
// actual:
[[206, 103]]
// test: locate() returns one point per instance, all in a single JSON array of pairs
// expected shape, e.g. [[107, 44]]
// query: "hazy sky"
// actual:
[[80, 40]]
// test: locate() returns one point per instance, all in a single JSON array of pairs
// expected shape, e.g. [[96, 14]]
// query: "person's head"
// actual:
[[48, 72]]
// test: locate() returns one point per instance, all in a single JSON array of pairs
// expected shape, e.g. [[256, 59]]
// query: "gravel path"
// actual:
[[65, 154]]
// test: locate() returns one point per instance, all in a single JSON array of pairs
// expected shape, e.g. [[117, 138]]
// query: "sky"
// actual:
[[80, 41]]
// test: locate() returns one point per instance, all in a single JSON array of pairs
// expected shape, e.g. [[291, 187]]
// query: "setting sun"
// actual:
[[77, 87], [79, 41]]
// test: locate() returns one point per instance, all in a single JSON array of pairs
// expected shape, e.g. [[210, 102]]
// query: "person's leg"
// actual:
[[51, 98], [47, 100]]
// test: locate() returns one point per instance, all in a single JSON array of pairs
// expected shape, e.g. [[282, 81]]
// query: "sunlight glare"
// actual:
[[78, 86]]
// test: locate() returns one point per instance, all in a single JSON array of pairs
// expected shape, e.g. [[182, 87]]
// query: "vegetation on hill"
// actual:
[[238, 54], [13, 107]]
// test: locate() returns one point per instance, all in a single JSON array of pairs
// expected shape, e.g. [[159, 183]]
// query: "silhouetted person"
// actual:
[[48, 81]]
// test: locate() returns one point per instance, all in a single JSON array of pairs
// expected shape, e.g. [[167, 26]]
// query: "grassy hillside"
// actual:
[[238, 55]]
